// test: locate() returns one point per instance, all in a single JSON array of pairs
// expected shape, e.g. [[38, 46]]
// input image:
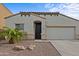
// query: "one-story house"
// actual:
[[45, 25]]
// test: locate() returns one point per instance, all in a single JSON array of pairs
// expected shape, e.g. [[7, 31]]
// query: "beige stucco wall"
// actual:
[[49, 21], [4, 12], [28, 24]]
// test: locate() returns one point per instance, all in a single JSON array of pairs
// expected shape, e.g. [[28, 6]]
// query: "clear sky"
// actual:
[[26, 7], [70, 9]]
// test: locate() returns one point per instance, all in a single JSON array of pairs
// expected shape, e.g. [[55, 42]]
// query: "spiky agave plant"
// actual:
[[12, 35]]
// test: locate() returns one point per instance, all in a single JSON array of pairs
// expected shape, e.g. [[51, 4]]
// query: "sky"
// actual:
[[69, 9]]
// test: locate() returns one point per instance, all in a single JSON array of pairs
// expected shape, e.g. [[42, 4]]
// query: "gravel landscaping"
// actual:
[[41, 49]]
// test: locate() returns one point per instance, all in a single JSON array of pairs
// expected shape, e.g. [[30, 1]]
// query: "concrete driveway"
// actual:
[[66, 47]]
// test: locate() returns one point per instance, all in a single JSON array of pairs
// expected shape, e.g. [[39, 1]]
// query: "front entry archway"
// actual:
[[37, 29]]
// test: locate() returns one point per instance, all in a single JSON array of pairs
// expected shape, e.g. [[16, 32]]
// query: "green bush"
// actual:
[[12, 35]]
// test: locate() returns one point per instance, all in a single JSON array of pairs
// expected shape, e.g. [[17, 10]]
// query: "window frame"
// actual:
[[20, 24]]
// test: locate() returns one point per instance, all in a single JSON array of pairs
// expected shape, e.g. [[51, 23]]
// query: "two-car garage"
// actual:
[[61, 32]]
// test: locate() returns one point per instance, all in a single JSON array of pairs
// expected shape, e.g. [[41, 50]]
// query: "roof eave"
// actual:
[[69, 17]]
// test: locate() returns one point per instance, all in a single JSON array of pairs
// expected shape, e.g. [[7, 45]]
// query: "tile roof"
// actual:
[[41, 13]]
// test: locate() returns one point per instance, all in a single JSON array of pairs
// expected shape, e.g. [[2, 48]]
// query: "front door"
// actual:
[[37, 30]]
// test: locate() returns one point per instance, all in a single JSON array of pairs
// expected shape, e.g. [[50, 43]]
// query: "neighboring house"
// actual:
[[45, 25], [3, 13]]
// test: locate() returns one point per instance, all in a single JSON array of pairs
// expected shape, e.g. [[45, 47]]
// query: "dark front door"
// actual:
[[37, 30]]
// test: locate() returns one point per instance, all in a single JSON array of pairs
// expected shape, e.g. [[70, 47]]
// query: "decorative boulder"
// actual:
[[19, 48], [31, 47]]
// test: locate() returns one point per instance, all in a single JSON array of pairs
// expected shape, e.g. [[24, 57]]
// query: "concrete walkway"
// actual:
[[66, 47]]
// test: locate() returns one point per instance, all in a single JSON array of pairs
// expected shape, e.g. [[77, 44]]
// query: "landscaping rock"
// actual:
[[31, 47], [19, 48]]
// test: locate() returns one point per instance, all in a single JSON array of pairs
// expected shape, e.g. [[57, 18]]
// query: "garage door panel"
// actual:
[[60, 33]]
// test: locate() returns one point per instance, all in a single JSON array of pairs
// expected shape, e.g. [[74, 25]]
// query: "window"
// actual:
[[19, 26]]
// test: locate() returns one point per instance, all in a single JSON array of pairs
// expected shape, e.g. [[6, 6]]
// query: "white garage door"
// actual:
[[60, 33]]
